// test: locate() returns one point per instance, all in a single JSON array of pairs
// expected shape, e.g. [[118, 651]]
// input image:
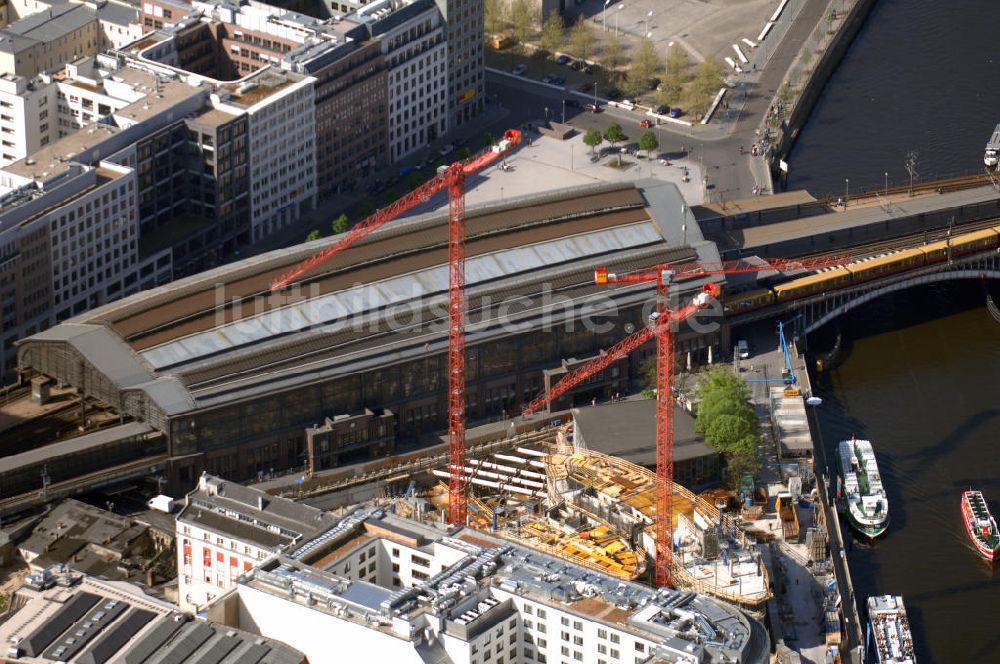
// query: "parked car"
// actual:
[[562, 59], [594, 108], [586, 86], [548, 78], [612, 93], [645, 123], [589, 69], [572, 103], [662, 109], [654, 84], [675, 112], [446, 150], [576, 65], [519, 70], [558, 80]]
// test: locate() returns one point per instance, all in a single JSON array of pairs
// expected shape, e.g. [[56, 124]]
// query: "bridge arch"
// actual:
[[868, 296]]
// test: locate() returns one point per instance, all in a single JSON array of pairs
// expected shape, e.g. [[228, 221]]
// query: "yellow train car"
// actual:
[[739, 303], [873, 268], [814, 283], [966, 243]]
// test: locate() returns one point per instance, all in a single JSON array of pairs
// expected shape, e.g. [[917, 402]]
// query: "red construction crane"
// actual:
[[454, 179], [660, 326]]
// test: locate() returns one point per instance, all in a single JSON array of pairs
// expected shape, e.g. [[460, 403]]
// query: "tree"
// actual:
[[552, 33], [496, 15], [643, 69], [648, 142], [523, 15], [582, 39], [675, 76], [612, 55], [365, 209], [489, 140], [465, 152], [340, 224], [313, 235], [705, 85], [389, 195], [414, 179], [593, 138], [613, 134], [738, 465], [731, 433]]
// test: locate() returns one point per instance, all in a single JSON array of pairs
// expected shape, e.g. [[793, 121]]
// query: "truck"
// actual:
[[993, 149]]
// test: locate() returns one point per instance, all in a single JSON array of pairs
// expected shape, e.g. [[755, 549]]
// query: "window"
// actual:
[[529, 609], [614, 653], [602, 633], [602, 649], [395, 553], [541, 613], [578, 625], [564, 621], [564, 636], [615, 638], [420, 560], [578, 640], [564, 650], [513, 623], [577, 655], [640, 647]]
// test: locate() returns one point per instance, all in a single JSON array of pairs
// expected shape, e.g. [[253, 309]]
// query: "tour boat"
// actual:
[[980, 525], [889, 630]]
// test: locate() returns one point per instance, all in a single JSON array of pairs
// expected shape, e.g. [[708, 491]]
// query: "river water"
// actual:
[[919, 374], [920, 76]]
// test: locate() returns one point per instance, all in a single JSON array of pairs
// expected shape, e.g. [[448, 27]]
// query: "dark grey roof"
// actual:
[[116, 637], [240, 530], [102, 615], [627, 429], [42, 637], [49, 25], [152, 641], [73, 445], [173, 642], [400, 16]]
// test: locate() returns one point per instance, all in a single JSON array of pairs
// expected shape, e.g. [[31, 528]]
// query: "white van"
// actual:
[[743, 349]]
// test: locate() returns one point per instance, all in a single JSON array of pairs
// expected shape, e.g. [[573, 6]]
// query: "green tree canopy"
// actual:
[[464, 152], [582, 39], [648, 142], [390, 195], [496, 15], [675, 76], [593, 138], [340, 224], [553, 31], [739, 464], [524, 16], [705, 85], [613, 52], [414, 179], [488, 140], [643, 69], [613, 134], [365, 208], [313, 235], [731, 433]]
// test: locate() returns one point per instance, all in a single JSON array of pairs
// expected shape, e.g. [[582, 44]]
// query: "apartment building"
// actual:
[[412, 37], [389, 589], [48, 35], [226, 529], [466, 86], [281, 138]]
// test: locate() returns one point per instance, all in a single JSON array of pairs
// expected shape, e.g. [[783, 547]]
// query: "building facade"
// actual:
[[225, 530], [466, 69]]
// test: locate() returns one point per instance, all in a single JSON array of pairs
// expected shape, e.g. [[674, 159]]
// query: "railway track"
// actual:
[[941, 186]]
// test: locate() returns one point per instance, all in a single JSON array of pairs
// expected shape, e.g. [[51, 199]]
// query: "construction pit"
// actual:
[[599, 511]]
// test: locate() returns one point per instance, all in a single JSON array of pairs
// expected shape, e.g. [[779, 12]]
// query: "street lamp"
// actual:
[[648, 16], [501, 194], [887, 183], [847, 191], [617, 14], [564, 111], [604, 16], [546, 115]]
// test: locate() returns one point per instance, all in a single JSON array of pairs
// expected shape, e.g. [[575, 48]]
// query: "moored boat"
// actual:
[[980, 524], [859, 488], [889, 630]]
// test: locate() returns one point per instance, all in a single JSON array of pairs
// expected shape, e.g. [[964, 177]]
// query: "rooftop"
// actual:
[[627, 429], [212, 354], [77, 619], [482, 575], [247, 514], [49, 25]]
